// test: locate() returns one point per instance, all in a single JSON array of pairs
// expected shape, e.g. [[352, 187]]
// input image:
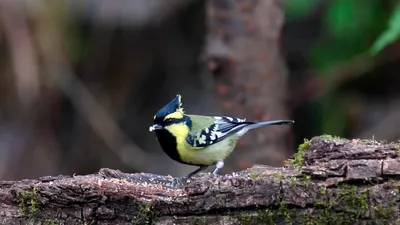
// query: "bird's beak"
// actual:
[[155, 127]]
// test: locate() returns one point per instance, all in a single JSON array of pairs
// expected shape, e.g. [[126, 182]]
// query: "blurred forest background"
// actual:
[[80, 81]]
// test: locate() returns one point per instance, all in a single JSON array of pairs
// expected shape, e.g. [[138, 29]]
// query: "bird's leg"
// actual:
[[201, 168], [177, 180], [218, 166]]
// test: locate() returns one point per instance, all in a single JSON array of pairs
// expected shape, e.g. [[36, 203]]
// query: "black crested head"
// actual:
[[175, 105]]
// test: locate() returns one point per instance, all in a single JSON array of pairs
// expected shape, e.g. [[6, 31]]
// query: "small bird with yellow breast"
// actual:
[[198, 140]]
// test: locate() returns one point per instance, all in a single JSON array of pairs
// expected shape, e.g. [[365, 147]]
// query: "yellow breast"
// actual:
[[200, 156], [180, 131]]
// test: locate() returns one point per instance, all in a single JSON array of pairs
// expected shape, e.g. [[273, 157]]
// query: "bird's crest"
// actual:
[[175, 105], [172, 109], [178, 100]]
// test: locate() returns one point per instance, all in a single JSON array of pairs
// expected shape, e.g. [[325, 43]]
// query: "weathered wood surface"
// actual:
[[339, 182]]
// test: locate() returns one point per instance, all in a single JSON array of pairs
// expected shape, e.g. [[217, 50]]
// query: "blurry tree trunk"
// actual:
[[251, 77]]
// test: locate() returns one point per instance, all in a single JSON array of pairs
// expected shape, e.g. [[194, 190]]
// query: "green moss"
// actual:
[[264, 216], [145, 214], [246, 218], [306, 180], [323, 190], [367, 142], [28, 203], [347, 206], [329, 137], [278, 175], [354, 202], [298, 158], [293, 180], [51, 222], [353, 205], [384, 214], [267, 216], [196, 221], [254, 174], [283, 211], [199, 221]]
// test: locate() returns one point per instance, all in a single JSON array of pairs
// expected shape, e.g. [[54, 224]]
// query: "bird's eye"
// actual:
[[168, 120]]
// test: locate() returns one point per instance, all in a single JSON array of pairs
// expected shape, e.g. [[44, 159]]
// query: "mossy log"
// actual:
[[329, 181]]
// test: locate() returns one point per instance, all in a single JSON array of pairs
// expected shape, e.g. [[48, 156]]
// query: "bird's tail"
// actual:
[[263, 123], [270, 122]]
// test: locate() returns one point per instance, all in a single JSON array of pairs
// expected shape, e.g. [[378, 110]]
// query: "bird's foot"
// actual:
[[218, 166]]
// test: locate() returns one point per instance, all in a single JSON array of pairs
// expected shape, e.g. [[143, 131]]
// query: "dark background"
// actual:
[[80, 81]]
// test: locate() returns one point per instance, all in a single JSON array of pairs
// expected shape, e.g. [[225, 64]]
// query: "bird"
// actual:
[[200, 140]]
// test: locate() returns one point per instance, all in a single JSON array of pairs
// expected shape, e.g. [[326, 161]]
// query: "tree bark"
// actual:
[[330, 181]]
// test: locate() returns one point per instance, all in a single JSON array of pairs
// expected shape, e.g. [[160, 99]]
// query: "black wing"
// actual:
[[220, 129]]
